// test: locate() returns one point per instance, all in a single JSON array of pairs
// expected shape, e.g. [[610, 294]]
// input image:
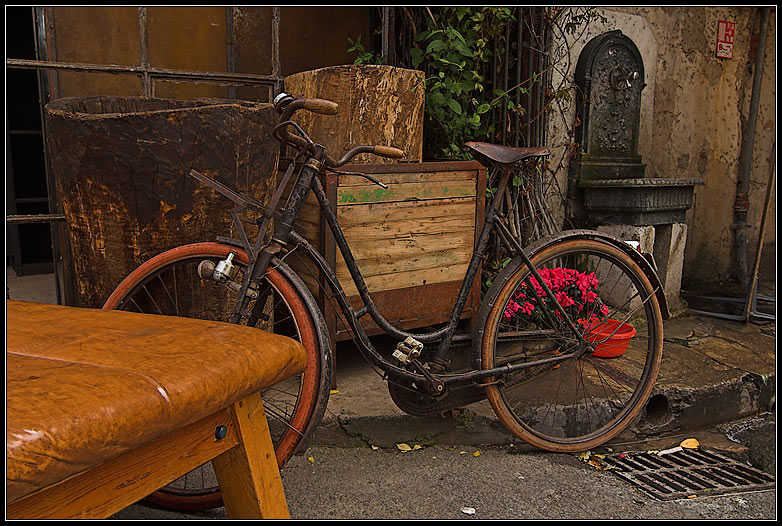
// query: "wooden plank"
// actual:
[[365, 93], [453, 260], [390, 177], [418, 245], [118, 483], [415, 306], [248, 474], [364, 194], [404, 210], [412, 278], [383, 230], [419, 168]]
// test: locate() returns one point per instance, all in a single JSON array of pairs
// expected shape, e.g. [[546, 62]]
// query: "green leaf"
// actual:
[[435, 45], [455, 106], [423, 35], [463, 49], [416, 56]]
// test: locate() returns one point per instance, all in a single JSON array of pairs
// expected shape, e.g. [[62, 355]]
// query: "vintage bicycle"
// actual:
[[534, 349]]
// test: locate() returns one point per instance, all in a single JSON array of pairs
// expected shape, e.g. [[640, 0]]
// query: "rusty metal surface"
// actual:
[[243, 79], [33, 218], [121, 166]]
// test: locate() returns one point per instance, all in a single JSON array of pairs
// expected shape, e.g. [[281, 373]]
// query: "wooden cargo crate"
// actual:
[[412, 241]]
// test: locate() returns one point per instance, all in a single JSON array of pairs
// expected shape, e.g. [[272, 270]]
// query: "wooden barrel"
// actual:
[[121, 165], [379, 105]]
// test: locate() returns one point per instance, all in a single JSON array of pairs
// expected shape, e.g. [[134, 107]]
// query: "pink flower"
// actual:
[[511, 310], [570, 287], [564, 299]]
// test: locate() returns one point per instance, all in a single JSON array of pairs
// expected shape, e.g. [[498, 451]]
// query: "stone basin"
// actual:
[[644, 201]]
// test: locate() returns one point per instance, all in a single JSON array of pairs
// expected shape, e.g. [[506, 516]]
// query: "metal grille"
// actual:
[[688, 472]]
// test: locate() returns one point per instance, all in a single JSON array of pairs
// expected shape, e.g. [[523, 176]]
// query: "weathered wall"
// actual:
[[693, 119], [195, 38]]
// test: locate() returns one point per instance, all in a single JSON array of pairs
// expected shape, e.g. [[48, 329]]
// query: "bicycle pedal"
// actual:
[[408, 350]]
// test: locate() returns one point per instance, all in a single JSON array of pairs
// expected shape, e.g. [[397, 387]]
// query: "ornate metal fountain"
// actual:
[[608, 171]]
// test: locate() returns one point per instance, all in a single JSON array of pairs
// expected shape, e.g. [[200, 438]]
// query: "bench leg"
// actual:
[[248, 474]]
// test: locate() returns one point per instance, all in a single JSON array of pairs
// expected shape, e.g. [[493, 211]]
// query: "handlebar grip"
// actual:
[[389, 151], [322, 106]]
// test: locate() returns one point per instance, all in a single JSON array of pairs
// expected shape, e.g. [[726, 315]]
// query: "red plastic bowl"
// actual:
[[616, 334]]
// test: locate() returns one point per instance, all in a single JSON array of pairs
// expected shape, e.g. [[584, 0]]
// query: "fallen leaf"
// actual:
[[403, 447], [594, 460], [477, 454], [333, 391], [416, 447], [375, 448], [692, 496], [690, 443], [667, 451], [468, 511], [311, 459]]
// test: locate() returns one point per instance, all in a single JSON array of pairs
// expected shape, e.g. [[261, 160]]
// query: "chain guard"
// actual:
[[416, 403]]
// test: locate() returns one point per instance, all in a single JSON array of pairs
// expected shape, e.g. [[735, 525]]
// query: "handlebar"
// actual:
[[286, 105]]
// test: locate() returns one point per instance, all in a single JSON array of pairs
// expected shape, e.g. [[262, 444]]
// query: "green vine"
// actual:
[[364, 56], [454, 52]]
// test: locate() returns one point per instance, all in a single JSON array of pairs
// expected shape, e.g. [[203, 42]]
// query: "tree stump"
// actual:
[[379, 105], [121, 165]]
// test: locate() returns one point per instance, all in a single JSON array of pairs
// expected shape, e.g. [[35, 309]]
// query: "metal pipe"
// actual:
[[143, 27], [230, 47], [237, 79], [276, 60], [741, 204]]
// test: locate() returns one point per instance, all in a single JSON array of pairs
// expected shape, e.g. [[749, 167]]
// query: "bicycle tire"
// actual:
[[149, 288], [541, 404]]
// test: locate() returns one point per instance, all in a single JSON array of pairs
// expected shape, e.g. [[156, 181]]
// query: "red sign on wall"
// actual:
[[725, 33]]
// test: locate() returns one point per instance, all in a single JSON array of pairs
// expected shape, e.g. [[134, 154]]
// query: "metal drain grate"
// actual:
[[687, 472]]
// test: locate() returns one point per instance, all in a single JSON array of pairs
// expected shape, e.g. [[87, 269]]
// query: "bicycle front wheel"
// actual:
[[583, 401], [169, 284]]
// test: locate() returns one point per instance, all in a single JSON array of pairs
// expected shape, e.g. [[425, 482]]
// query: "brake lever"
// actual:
[[365, 176]]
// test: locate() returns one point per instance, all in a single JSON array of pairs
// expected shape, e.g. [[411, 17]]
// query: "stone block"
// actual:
[[618, 291], [669, 243], [666, 243]]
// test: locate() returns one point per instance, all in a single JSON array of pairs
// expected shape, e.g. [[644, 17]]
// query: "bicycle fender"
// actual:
[[531, 250]]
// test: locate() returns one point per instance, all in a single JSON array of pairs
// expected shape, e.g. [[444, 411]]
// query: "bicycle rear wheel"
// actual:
[[581, 402], [169, 284]]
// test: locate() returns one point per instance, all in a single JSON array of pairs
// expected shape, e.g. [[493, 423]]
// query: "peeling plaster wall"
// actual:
[[694, 112]]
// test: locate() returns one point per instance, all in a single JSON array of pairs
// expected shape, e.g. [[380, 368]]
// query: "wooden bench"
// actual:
[[105, 407]]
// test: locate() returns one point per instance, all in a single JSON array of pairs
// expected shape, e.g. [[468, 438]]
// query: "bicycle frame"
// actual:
[[264, 251]]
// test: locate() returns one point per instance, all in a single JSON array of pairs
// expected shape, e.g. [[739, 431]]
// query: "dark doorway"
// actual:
[[28, 246]]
